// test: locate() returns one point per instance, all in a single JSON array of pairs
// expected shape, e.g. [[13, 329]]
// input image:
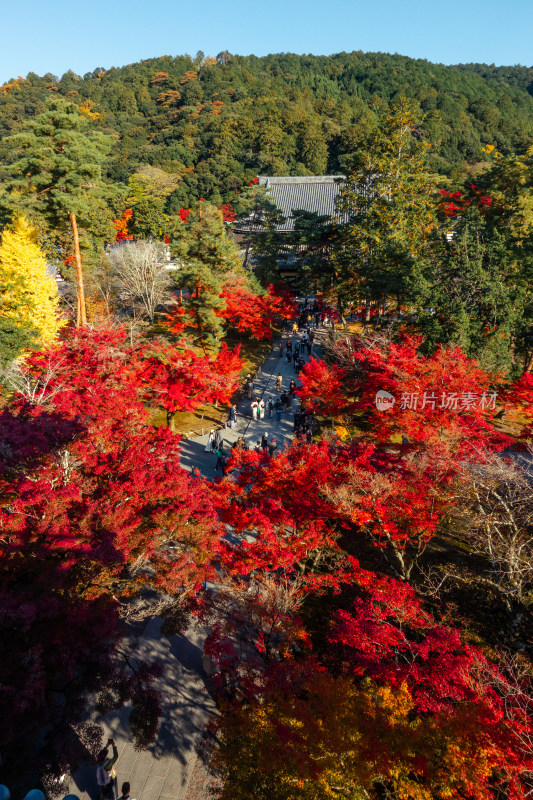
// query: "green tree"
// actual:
[[474, 294], [206, 255], [387, 199], [55, 162]]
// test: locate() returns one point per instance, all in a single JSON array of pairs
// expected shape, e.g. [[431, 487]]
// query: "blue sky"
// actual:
[[60, 34]]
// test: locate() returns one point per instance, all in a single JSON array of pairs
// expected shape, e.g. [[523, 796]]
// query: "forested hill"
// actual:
[[219, 122]]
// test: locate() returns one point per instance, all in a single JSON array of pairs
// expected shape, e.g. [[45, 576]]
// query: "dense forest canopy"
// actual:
[[218, 122]]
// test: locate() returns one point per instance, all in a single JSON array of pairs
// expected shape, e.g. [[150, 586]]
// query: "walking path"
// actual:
[[193, 455], [172, 768]]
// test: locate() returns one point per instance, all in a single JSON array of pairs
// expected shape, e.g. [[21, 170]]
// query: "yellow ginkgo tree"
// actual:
[[30, 294]]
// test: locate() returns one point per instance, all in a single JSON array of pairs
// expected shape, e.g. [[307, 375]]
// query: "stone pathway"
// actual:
[[193, 450], [164, 770]]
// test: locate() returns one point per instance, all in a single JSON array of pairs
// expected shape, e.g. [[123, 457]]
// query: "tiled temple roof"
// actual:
[[315, 193]]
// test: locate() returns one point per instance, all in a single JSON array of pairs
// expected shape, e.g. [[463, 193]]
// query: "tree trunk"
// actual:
[[367, 311], [81, 316], [170, 420]]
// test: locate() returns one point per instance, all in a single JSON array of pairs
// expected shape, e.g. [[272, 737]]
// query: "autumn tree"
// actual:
[[96, 510], [30, 298], [398, 707], [54, 163]]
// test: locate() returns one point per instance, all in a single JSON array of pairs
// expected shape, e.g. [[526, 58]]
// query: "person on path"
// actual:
[[295, 359], [126, 791], [309, 346], [261, 409], [281, 348], [289, 345], [297, 421], [295, 327], [106, 776], [272, 447], [289, 356], [297, 349], [292, 387], [254, 405], [249, 388], [277, 406], [279, 380], [257, 447], [264, 442], [270, 406], [210, 441], [217, 441], [221, 456], [233, 416], [284, 400]]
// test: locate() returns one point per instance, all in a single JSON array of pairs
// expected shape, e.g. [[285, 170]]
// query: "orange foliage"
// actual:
[[190, 75], [216, 107], [121, 225], [159, 78]]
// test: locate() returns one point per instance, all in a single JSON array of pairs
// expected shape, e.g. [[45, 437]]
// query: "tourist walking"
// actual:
[[277, 407], [281, 348], [261, 409], [249, 387], [272, 446], [264, 442], [233, 416], [210, 441], [270, 406], [217, 441], [279, 380]]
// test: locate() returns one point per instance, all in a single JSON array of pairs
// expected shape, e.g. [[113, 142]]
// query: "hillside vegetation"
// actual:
[[217, 122]]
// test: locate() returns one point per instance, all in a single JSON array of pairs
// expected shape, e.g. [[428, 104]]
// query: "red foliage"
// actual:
[[454, 203], [322, 388], [184, 214], [253, 313], [443, 403], [177, 379], [228, 214], [96, 508]]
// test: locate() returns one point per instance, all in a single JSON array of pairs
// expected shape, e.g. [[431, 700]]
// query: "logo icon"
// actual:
[[384, 400]]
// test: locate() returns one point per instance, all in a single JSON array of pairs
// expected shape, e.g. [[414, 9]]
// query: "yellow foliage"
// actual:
[[33, 296], [86, 110]]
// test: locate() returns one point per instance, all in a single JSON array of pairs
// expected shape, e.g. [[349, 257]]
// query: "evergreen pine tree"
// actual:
[[55, 161], [207, 255]]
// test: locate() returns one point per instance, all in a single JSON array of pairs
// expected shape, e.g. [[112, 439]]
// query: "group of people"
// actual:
[[304, 425], [295, 352]]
